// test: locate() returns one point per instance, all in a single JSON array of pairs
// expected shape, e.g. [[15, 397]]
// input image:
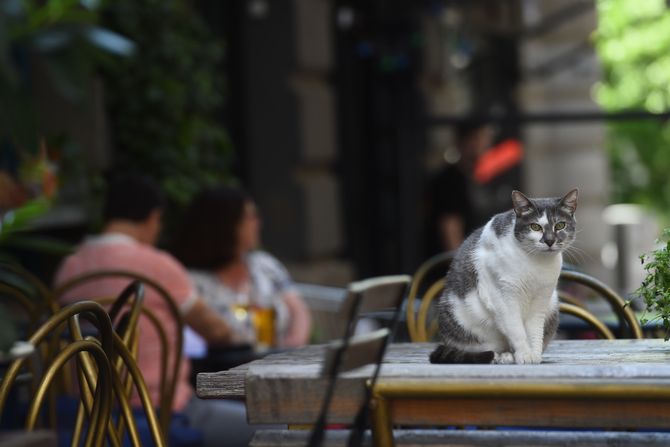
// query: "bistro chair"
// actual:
[[98, 412], [363, 297], [124, 311], [427, 326], [361, 350], [25, 317], [26, 299], [28, 303], [422, 280], [628, 326], [125, 376], [587, 317], [14, 275], [131, 344], [25, 313], [171, 354]]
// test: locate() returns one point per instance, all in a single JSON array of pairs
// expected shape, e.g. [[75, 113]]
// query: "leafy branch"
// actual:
[[655, 288], [632, 41]]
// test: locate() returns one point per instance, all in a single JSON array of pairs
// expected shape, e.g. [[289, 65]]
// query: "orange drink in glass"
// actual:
[[264, 322]]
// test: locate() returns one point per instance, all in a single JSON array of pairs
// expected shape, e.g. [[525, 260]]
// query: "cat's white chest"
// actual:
[[505, 268]]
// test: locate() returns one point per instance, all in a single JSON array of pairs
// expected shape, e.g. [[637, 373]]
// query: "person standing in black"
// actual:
[[455, 201]]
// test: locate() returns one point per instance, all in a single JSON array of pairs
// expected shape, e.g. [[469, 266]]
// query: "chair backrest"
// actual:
[[369, 295], [426, 328], [588, 318], [14, 275], [361, 350], [99, 410], [628, 323], [22, 309], [25, 298], [125, 375], [372, 295], [345, 355], [131, 344], [168, 380], [422, 280]]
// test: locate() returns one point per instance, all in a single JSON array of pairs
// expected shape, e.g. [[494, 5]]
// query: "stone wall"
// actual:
[[558, 75], [565, 155]]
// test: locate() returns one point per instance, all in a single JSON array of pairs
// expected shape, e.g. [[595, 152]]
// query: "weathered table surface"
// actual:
[[287, 388]]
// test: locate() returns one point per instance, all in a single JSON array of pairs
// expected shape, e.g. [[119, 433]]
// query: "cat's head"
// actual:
[[545, 225]]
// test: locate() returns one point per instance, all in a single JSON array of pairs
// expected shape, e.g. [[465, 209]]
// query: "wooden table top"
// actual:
[[287, 387]]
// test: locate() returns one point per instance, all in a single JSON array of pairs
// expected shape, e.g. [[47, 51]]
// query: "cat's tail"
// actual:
[[449, 354]]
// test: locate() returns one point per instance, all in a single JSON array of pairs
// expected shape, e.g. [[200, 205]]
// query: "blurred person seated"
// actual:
[[250, 289], [132, 223]]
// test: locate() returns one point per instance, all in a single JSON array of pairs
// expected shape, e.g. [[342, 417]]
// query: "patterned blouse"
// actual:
[[269, 281]]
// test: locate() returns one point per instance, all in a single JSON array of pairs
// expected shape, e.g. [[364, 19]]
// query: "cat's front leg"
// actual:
[[535, 331], [535, 323], [510, 324]]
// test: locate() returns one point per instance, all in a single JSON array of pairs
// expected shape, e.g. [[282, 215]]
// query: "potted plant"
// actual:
[[655, 288]]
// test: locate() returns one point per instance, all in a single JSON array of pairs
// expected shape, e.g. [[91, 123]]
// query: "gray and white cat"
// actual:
[[500, 304]]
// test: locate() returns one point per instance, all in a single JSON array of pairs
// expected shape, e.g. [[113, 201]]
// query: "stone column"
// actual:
[[559, 70]]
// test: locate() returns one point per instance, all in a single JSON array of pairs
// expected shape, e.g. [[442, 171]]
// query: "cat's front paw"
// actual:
[[503, 358], [523, 357]]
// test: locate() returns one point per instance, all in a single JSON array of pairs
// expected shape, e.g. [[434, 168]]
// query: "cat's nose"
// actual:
[[549, 242]]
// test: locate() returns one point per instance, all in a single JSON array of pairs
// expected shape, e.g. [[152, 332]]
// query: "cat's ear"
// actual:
[[522, 204], [569, 202]]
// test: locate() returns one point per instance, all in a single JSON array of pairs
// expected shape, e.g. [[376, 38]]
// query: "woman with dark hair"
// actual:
[[218, 242]]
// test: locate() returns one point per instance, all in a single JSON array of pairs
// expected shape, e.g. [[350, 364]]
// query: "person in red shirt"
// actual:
[[132, 216]]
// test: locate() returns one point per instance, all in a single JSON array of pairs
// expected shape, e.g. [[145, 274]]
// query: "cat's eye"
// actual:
[[536, 227], [559, 226]]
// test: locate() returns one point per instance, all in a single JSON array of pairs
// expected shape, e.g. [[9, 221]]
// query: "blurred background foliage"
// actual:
[[64, 37], [163, 88], [633, 44], [164, 101], [163, 91]]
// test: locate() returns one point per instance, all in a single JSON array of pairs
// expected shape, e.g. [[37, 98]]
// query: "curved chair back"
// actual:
[[101, 407], [23, 310], [127, 368], [369, 295], [422, 280], [588, 318], [628, 323], [427, 329], [168, 380], [131, 344], [16, 276]]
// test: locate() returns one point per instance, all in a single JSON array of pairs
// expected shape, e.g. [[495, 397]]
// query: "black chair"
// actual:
[[384, 293]]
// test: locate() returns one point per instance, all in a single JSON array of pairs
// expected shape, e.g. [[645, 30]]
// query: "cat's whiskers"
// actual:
[[578, 255]]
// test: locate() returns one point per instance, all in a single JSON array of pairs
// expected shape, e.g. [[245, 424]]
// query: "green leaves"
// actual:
[[655, 288], [17, 220], [165, 100], [14, 231], [633, 43], [64, 37]]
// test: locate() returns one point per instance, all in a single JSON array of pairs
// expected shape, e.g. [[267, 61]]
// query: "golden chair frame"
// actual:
[[418, 285], [100, 410], [169, 377], [425, 334], [618, 305]]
